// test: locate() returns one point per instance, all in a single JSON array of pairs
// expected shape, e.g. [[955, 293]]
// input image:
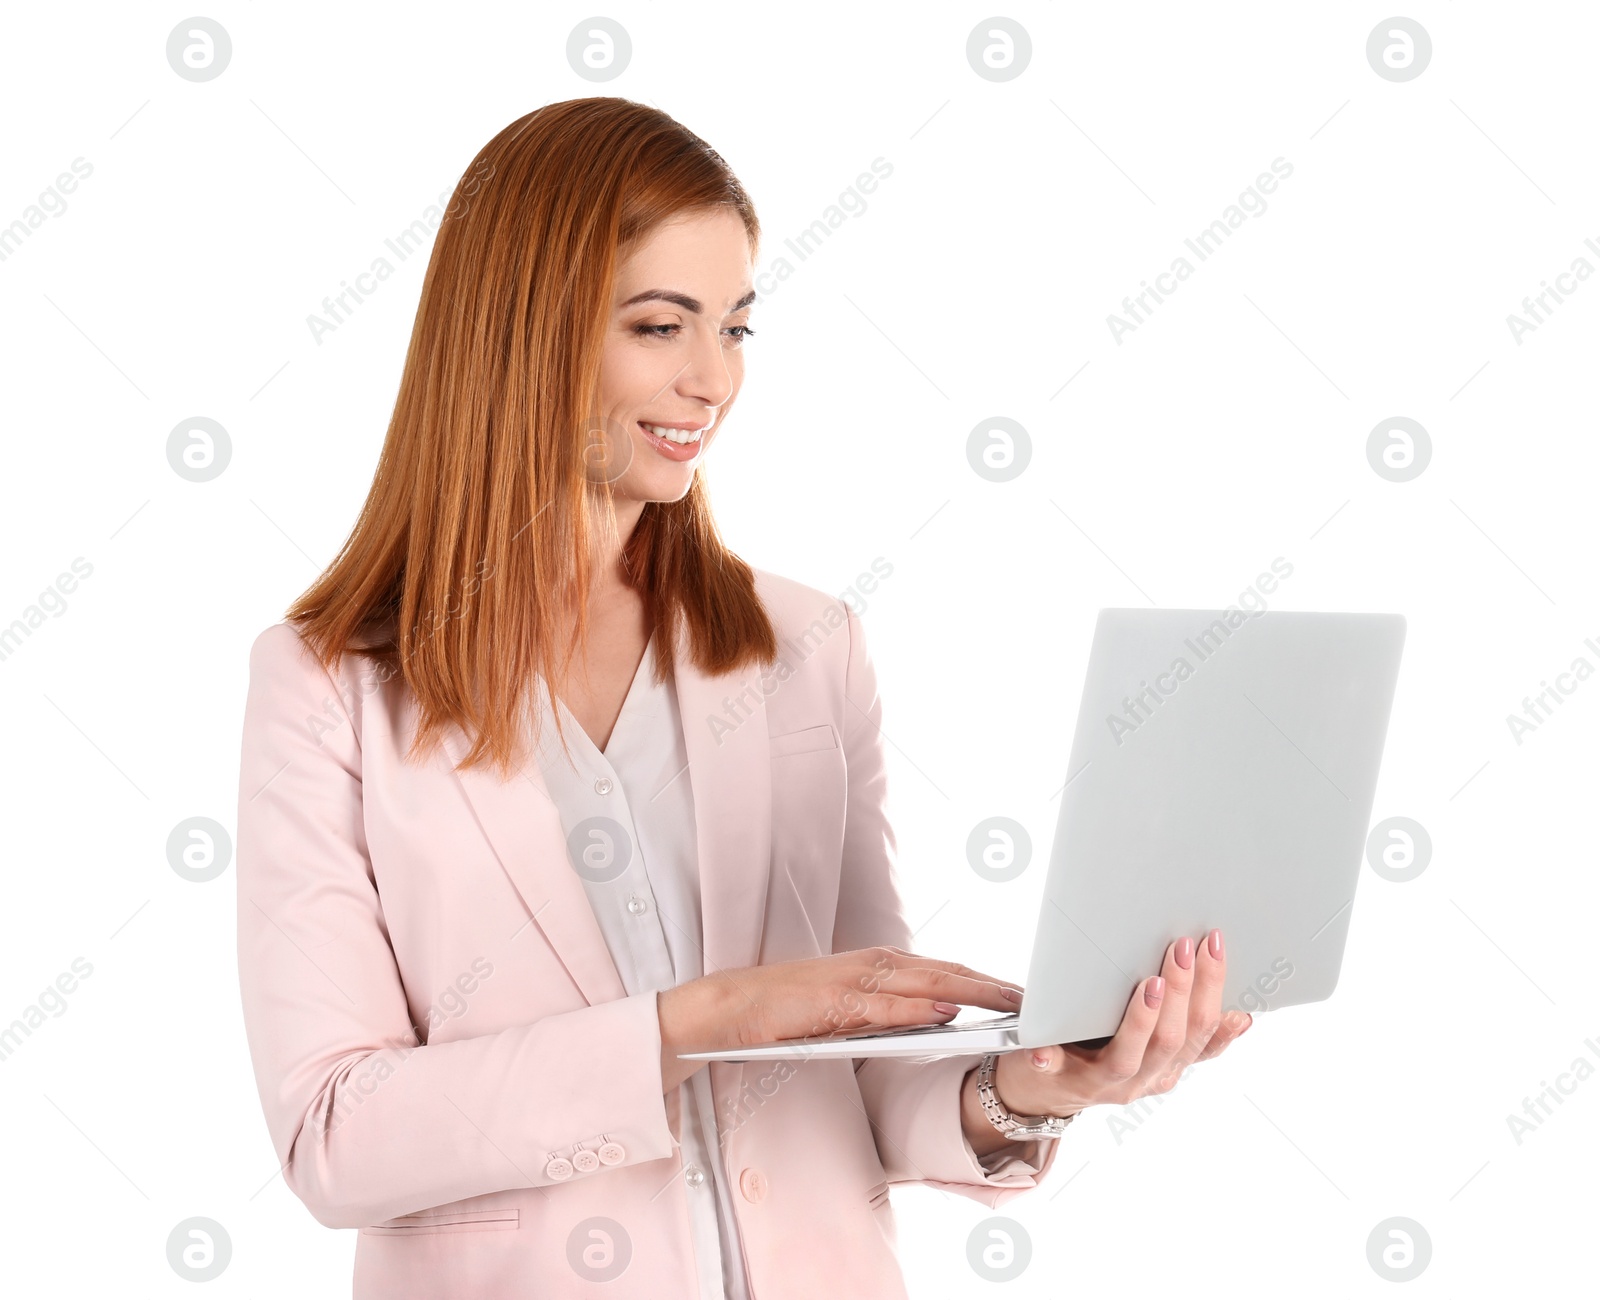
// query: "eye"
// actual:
[[738, 333]]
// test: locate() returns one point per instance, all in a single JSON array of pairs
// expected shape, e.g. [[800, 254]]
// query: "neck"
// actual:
[[608, 581]]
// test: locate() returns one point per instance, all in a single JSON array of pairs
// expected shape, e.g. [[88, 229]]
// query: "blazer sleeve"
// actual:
[[914, 1104], [367, 1122]]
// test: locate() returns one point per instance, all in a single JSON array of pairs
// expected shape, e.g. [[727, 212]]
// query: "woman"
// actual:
[[480, 914]]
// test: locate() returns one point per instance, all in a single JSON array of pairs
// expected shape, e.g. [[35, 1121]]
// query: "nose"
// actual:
[[705, 376]]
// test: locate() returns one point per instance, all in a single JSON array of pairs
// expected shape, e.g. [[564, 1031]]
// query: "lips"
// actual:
[[670, 449], [682, 434]]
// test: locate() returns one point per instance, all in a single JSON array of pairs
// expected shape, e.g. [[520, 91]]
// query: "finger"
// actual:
[[900, 956], [914, 976], [1205, 999], [1172, 1023], [912, 959], [1121, 1058], [888, 1010], [1232, 1025]]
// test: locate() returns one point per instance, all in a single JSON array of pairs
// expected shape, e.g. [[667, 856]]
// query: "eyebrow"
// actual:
[[684, 300]]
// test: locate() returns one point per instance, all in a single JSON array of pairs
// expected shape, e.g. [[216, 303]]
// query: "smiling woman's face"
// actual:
[[673, 354]]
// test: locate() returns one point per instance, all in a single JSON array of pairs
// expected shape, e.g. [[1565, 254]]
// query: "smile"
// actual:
[[672, 435]]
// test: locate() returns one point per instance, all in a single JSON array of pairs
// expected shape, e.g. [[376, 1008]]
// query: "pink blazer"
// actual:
[[438, 1031]]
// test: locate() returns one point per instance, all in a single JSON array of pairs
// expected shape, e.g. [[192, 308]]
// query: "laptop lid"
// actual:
[[1222, 774]]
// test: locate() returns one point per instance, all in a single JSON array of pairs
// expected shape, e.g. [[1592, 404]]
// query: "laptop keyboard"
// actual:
[[905, 1031]]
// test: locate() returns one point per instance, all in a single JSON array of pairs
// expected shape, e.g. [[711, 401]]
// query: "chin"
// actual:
[[664, 487]]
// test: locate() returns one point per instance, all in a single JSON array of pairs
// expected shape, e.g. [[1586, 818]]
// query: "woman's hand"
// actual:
[[880, 987], [1173, 1020]]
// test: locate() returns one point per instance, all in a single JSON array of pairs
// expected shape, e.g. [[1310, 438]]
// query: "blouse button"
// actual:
[[612, 1153], [603, 785], [586, 1162], [637, 905], [693, 1175], [558, 1168]]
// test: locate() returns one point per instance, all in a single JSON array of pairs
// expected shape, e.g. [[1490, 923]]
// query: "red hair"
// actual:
[[477, 532]]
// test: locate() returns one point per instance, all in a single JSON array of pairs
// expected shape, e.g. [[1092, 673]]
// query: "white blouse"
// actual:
[[628, 813]]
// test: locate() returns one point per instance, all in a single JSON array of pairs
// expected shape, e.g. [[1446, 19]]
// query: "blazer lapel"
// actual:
[[523, 825], [730, 774], [730, 770]]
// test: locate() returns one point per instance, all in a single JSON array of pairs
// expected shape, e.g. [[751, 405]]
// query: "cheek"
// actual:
[[627, 376]]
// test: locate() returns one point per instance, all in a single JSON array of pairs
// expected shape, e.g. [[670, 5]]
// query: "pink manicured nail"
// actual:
[[946, 1008], [1216, 943], [1040, 1061], [1183, 953], [1011, 995], [1153, 990]]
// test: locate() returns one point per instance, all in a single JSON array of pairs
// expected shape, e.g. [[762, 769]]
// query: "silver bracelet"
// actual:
[[1020, 1128]]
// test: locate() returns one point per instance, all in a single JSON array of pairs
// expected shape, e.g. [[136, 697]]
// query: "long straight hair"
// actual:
[[478, 535]]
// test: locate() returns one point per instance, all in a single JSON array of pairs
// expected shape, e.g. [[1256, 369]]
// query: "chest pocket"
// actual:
[[805, 740], [809, 792]]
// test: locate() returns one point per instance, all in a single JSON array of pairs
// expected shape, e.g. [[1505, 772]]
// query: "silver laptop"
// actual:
[[1222, 774]]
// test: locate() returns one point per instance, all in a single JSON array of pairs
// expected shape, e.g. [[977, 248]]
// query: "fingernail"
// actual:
[[1183, 954], [1248, 1021], [1011, 994], [1216, 943], [1040, 1060], [946, 1008], [1153, 990]]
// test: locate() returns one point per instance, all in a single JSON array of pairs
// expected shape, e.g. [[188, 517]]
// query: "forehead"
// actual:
[[708, 251]]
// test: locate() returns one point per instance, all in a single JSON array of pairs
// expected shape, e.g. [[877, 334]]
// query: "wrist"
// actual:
[[1023, 1089], [690, 1021]]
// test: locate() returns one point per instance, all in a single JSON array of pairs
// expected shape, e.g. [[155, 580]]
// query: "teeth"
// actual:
[[675, 435]]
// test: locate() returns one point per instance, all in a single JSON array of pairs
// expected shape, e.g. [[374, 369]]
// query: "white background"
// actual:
[[1227, 430]]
